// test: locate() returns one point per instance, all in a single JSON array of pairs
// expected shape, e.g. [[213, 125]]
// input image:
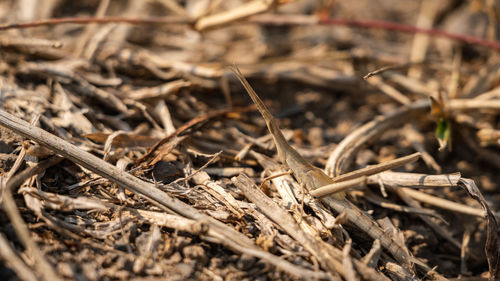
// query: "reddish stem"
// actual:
[[273, 19], [411, 29]]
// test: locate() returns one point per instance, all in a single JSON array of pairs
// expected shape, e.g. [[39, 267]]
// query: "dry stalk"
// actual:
[[10, 258], [44, 269]]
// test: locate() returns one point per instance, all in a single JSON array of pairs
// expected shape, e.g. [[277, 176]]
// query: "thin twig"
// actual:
[[88, 20], [214, 158]]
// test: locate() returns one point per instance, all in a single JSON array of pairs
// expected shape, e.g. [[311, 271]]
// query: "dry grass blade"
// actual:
[[443, 203], [160, 91], [375, 169], [492, 246], [368, 195], [65, 203], [338, 187], [415, 180], [248, 9]]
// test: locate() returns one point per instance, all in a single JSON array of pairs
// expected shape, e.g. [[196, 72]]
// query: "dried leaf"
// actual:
[[492, 247]]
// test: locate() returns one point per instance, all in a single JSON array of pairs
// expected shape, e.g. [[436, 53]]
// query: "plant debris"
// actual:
[[130, 151]]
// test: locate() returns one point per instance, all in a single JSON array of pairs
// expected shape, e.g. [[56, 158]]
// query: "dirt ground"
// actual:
[[143, 158]]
